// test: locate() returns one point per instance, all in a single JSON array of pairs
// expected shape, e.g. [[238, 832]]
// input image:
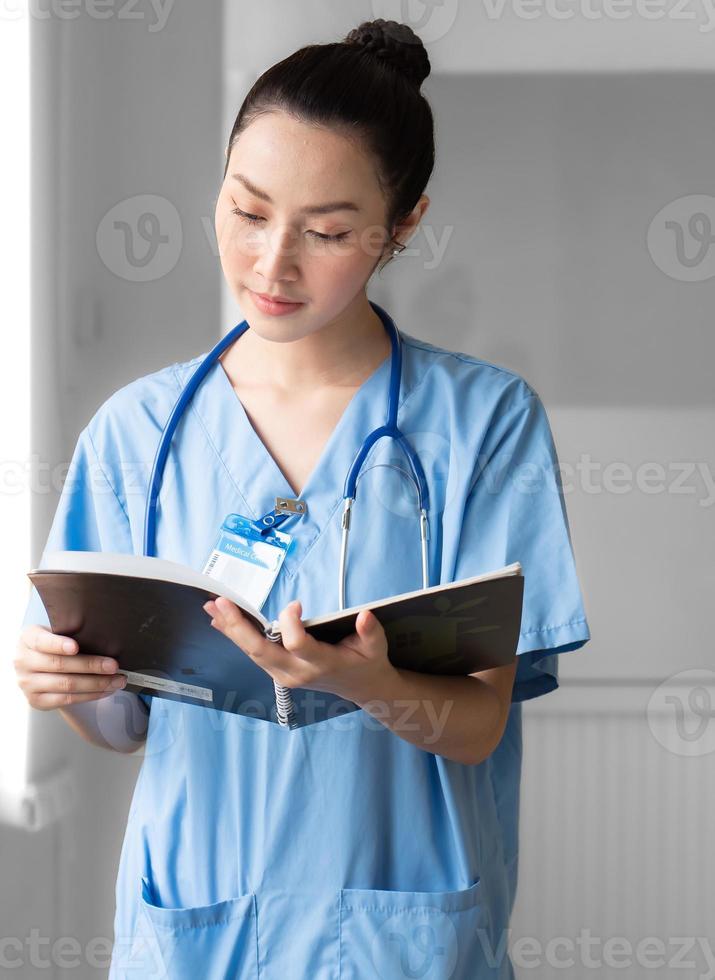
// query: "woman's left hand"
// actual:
[[356, 668]]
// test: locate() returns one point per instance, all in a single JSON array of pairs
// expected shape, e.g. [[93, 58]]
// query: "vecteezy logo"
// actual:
[[680, 238], [416, 945], [389, 479], [140, 238], [431, 19], [680, 713]]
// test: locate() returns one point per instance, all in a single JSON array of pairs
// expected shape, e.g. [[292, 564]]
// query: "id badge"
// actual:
[[246, 560]]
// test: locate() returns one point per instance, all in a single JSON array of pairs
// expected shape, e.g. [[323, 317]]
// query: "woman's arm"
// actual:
[[119, 722], [462, 718]]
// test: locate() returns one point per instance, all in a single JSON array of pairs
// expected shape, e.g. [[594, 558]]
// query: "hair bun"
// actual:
[[395, 43]]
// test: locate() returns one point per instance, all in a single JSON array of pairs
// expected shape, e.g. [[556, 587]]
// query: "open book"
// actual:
[[147, 613]]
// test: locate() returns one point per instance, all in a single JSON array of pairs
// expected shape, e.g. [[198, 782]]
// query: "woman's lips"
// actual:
[[273, 307]]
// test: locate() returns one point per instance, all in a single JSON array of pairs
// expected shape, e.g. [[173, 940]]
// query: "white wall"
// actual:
[[499, 36], [120, 109]]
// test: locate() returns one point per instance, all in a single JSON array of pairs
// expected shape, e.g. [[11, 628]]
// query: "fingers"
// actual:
[[42, 650], [271, 657], [51, 672], [58, 690], [369, 630], [46, 701], [367, 625], [38, 683], [45, 641], [228, 618], [293, 634], [71, 663]]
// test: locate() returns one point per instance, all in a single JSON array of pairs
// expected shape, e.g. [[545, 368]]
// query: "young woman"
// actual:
[[382, 842]]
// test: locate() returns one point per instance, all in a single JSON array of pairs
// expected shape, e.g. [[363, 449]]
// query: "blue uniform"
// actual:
[[337, 851]]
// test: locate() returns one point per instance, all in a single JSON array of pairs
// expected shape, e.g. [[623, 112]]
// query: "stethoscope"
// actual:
[[390, 429]]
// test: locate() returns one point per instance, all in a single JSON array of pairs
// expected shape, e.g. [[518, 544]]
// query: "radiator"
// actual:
[[616, 838]]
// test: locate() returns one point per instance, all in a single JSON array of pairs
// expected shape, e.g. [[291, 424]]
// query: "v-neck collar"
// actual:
[[255, 473]]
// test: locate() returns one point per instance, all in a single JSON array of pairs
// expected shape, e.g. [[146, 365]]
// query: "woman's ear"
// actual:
[[405, 230]]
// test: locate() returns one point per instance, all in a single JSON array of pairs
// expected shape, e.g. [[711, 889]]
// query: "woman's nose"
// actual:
[[278, 255]]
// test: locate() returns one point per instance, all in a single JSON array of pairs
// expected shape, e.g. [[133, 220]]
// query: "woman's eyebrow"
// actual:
[[314, 209]]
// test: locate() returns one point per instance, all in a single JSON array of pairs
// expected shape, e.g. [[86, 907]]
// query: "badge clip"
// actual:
[[286, 505]]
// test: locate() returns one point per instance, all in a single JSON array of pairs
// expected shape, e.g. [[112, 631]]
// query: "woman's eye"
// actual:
[[329, 238], [253, 218], [247, 217]]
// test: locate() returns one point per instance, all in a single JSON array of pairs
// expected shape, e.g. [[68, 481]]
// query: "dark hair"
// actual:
[[368, 88]]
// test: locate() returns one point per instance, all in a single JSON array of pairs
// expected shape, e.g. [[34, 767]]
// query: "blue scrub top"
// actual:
[[337, 851]]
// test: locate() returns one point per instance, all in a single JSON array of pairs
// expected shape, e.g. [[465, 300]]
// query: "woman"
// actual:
[[380, 843]]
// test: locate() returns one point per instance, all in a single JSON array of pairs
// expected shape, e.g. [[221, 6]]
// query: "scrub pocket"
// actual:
[[218, 940], [392, 935]]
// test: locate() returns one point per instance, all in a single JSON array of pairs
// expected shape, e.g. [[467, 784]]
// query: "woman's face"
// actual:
[[273, 239]]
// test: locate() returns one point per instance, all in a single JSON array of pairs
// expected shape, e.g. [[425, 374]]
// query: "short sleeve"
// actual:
[[89, 517], [515, 511]]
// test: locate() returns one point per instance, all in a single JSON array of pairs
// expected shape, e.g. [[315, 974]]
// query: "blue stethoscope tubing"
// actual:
[[389, 430]]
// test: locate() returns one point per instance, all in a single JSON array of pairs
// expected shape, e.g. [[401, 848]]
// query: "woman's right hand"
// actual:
[[52, 673]]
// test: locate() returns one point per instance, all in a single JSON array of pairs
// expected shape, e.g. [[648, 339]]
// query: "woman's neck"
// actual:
[[343, 353]]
